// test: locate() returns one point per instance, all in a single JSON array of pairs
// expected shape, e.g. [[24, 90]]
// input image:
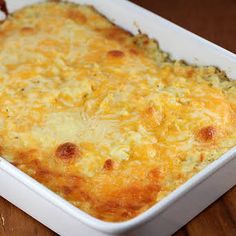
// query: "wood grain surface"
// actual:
[[214, 20]]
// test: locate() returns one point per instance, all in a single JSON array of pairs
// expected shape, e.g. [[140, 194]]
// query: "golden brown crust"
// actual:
[[127, 202], [207, 134], [27, 31], [76, 16], [115, 53], [101, 117], [67, 151], [108, 164]]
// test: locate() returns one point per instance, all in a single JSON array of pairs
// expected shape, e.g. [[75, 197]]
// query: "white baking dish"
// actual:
[[180, 206]]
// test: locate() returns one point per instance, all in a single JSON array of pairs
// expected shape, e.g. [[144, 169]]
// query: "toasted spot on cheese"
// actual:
[[77, 16], [67, 151], [207, 133], [115, 53], [108, 164], [27, 31], [102, 117]]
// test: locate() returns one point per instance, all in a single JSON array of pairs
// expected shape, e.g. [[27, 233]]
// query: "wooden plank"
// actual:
[[216, 220], [14, 222]]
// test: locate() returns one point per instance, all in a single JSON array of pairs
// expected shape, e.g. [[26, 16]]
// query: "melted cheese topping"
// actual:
[[101, 117]]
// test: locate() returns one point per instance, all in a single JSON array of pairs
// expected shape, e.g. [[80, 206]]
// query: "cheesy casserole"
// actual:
[[103, 118]]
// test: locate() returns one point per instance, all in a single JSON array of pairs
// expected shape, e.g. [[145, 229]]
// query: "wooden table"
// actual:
[[214, 20]]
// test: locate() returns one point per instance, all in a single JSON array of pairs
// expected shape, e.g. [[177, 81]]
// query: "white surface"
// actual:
[[181, 205]]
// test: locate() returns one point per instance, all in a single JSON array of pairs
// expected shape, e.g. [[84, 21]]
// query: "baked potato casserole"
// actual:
[[104, 118]]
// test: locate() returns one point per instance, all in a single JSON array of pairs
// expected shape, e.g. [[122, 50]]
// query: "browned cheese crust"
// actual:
[[104, 118]]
